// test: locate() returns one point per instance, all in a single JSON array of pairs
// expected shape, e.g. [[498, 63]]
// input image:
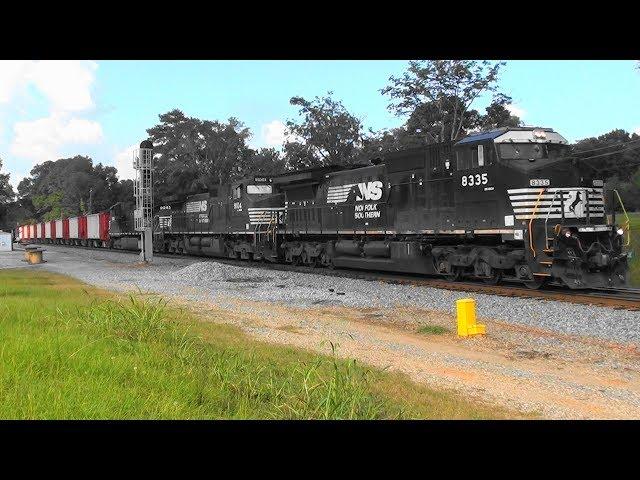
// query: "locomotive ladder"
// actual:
[[546, 250], [270, 231]]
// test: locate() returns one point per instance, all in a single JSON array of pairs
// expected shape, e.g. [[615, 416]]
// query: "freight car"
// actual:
[[84, 230], [505, 205]]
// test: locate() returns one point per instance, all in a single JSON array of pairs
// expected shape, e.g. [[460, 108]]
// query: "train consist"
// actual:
[[505, 205]]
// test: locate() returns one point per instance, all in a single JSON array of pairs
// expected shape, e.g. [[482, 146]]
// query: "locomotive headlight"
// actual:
[[539, 134], [620, 231]]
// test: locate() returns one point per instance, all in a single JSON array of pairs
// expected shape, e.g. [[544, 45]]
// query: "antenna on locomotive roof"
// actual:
[[143, 193]]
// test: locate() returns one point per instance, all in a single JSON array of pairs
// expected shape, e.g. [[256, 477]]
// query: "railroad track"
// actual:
[[617, 298]]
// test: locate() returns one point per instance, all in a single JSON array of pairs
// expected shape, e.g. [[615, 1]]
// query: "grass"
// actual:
[[69, 351], [433, 330], [635, 246]]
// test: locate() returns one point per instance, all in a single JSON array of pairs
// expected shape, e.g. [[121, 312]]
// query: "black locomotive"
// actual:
[[508, 204]]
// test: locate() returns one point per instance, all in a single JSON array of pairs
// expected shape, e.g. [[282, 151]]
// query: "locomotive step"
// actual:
[[545, 262], [548, 250]]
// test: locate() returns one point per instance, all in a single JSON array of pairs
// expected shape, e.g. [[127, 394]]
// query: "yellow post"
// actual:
[[466, 311]]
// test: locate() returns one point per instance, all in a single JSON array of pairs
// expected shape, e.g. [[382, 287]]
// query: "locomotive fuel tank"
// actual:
[[377, 249]]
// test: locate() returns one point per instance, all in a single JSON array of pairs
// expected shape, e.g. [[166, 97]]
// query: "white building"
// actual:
[[5, 241]]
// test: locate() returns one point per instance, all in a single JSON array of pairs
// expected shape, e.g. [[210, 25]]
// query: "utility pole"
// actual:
[[143, 193], [90, 201]]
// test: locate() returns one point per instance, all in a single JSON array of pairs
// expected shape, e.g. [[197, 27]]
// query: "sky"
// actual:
[[58, 109]]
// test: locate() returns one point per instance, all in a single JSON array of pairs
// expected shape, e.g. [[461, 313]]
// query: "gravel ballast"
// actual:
[[205, 279]]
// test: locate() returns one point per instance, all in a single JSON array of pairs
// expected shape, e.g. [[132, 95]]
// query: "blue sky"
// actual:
[[50, 110]]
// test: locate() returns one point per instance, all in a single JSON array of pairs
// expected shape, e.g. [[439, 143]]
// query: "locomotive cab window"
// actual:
[[531, 151], [467, 158], [518, 150]]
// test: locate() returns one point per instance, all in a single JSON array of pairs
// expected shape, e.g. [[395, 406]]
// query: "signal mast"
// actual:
[[143, 193]]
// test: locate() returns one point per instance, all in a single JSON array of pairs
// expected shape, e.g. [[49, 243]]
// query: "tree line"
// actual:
[[435, 98]]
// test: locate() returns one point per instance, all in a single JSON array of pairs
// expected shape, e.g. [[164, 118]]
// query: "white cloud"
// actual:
[[13, 75], [516, 110], [41, 139], [124, 163], [274, 133], [65, 83]]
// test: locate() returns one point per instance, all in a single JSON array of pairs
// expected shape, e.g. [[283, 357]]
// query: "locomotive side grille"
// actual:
[[263, 216], [339, 193], [574, 199]]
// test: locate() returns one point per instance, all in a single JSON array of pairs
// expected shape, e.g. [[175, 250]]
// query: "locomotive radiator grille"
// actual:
[[339, 193], [263, 216], [574, 201]]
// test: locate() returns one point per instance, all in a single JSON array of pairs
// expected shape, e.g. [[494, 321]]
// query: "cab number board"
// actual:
[[472, 180], [539, 182]]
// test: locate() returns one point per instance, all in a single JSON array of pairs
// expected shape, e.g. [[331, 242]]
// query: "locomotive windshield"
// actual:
[[514, 151]]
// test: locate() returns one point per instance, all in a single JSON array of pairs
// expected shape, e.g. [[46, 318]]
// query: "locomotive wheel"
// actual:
[[494, 279], [535, 284], [490, 276], [455, 275], [330, 264]]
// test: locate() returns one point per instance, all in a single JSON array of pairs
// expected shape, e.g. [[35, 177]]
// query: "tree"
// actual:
[[377, 144], [6, 190], [67, 187], [266, 161], [440, 93], [435, 124], [6, 199], [52, 204], [612, 157], [497, 114], [327, 134], [197, 155]]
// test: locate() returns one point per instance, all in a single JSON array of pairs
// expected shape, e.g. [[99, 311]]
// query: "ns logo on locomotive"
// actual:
[[505, 205]]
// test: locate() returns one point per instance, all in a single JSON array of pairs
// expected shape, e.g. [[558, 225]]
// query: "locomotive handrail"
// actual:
[[546, 220], [535, 209], [587, 207], [628, 222]]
